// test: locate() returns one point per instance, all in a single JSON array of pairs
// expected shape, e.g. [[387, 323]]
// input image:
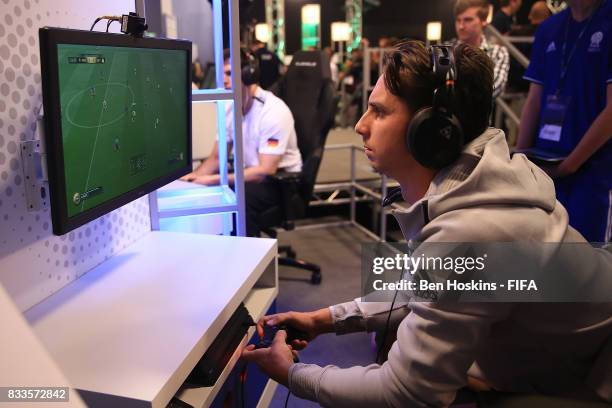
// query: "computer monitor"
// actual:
[[117, 119]]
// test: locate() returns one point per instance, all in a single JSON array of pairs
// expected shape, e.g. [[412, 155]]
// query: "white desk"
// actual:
[[24, 360], [130, 331]]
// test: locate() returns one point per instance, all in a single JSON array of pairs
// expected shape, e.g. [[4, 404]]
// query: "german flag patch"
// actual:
[[272, 142]]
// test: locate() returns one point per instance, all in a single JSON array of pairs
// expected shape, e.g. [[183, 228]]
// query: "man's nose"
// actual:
[[361, 128]]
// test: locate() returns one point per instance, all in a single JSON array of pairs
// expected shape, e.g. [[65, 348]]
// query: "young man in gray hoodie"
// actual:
[[480, 195]]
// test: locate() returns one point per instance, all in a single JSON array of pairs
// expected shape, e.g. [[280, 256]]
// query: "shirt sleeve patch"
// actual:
[[272, 142]]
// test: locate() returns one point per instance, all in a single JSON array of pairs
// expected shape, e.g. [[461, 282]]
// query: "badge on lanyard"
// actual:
[[557, 104], [553, 116]]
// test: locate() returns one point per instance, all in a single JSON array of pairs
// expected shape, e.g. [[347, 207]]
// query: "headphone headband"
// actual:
[[249, 67], [434, 136], [443, 63]]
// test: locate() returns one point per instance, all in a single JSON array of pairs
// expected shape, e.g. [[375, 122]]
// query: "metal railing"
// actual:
[[506, 42], [368, 193], [503, 108], [359, 192]]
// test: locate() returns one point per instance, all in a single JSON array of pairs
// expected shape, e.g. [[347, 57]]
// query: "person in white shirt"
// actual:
[[269, 143], [334, 61]]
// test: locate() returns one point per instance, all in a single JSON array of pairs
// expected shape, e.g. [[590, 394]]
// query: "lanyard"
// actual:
[[566, 61]]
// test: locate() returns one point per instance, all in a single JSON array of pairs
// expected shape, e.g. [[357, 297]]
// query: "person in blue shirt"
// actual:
[[568, 111]]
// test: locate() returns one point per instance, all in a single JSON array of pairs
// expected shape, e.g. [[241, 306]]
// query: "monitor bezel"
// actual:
[[49, 38]]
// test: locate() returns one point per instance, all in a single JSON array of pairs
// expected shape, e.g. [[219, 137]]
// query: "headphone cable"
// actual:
[[385, 331], [288, 395]]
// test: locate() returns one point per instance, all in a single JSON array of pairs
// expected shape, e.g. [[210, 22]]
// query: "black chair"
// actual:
[[309, 92]]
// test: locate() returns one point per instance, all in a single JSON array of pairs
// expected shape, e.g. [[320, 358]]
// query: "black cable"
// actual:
[[110, 21], [288, 395], [95, 22], [109, 18], [242, 395], [242, 387], [384, 337], [242, 380]]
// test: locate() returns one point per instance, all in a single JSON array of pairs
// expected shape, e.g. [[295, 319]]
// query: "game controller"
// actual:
[[292, 334], [270, 333]]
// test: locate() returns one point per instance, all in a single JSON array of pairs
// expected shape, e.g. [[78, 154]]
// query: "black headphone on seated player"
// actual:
[[249, 67], [434, 136]]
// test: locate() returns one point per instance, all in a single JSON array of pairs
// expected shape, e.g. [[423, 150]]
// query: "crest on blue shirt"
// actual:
[[596, 39]]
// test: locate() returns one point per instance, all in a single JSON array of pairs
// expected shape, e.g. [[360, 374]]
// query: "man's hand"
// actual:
[[189, 177], [206, 180], [311, 323], [275, 360], [558, 170]]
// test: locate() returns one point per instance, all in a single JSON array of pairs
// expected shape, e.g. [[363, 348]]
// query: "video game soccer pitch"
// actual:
[[121, 108]]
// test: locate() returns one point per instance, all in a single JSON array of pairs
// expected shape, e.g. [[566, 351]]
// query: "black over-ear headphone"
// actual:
[[434, 136], [249, 67]]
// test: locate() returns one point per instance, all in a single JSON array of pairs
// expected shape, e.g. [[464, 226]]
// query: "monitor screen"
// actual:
[[117, 119]]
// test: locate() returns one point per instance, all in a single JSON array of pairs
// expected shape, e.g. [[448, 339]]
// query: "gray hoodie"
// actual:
[[563, 348]]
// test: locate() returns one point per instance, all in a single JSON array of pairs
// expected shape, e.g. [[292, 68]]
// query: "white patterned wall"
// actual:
[[33, 262]]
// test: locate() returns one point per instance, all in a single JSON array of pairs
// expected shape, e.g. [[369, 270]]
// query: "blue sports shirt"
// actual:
[[588, 73]]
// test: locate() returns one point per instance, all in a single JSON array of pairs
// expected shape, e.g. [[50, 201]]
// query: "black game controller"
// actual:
[[292, 334], [270, 333]]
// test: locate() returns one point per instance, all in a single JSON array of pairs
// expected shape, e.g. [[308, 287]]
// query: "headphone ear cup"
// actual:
[[415, 132], [434, 138], [250, 73]]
